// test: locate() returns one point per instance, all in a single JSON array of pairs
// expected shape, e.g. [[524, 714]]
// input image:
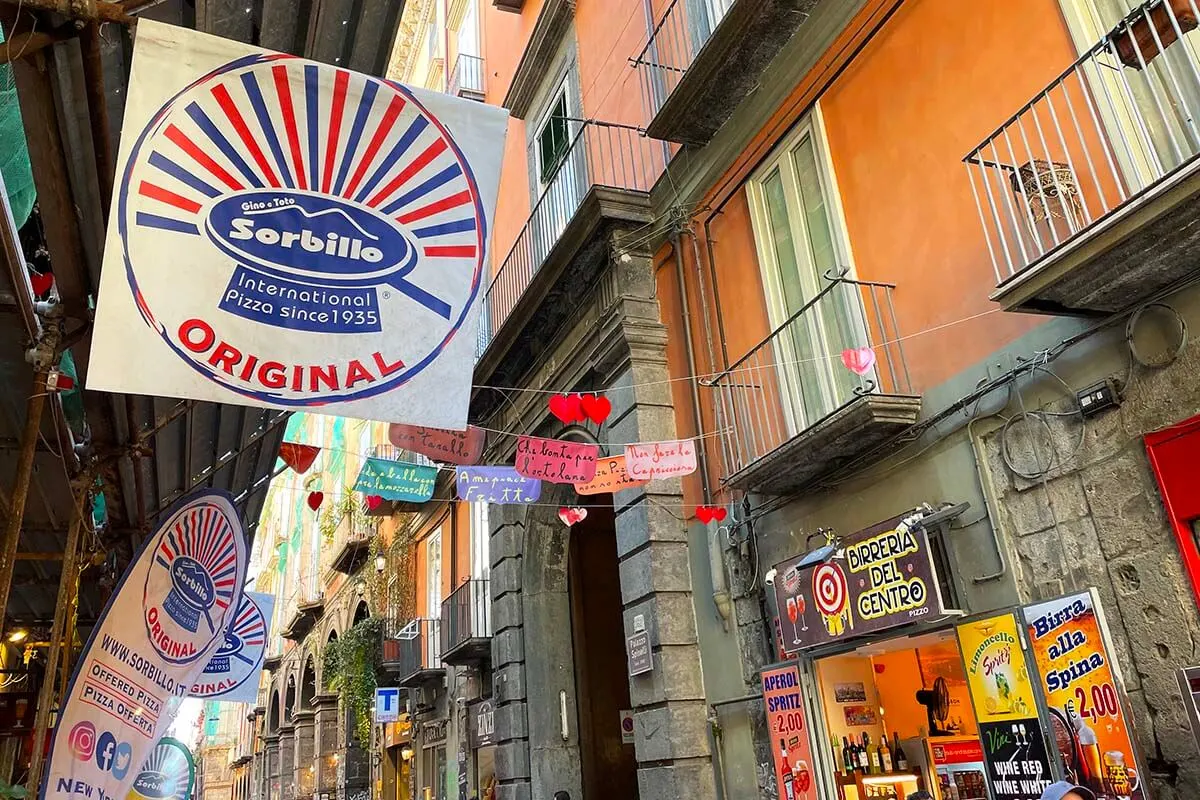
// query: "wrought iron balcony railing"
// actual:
[[466, 80], [1112, 130], [674, 42], [597, 155], [796, 379], [412, 651], [467, 623]]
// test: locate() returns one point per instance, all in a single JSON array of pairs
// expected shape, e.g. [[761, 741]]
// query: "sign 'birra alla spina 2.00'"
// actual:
[[295, 235]]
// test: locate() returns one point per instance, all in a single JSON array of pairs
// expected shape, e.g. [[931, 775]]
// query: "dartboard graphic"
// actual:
[[309, 204], [829, 589], [192, 580], [239, 657], [168, 774]]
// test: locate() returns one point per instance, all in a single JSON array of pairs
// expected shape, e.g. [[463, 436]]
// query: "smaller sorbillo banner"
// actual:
[[168, 774], [1083, 689], [232, 673], [163, 624]]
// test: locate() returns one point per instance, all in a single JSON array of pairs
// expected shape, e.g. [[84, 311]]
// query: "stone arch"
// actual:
[[289, 699], [308, 683], [274, 712], [362, 611], [322, 680]]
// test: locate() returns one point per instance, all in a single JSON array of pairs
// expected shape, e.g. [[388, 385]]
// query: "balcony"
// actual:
[[466, 80], [310, 607], [704, 56], [1088, 193], [467, 624], [413, 652], [794, 413], [351, 546], [601, 181]]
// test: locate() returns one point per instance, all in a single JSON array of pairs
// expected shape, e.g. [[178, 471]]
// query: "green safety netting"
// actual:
[[14, 153]]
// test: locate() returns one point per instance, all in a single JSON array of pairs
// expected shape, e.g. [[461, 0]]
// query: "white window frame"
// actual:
[[813, 127], [433, 574]]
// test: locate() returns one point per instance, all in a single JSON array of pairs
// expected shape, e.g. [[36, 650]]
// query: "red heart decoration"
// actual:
[[566, 407], [41, 282], [315, 499], [595, 408], [570, 516], [859, 361], [707, 514], [374, 501]]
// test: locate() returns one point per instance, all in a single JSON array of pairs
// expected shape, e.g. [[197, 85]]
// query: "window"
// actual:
[[433, 584], [431, 42], [801, 245], [480, 535], [553, 139]]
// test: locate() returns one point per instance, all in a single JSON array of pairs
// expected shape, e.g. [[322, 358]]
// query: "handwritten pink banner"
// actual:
[[555, 460], [453, 447], [651, 460], [610, 477]]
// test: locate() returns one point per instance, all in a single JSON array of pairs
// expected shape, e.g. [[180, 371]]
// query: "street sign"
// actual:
[[387, 704], [640, 659]]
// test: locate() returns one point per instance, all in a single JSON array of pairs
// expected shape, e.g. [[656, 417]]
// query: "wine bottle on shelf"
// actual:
[[898, 756], [873, 754], [885, 754], [849, 763], [789, 788], [839, 763], [864, 764]]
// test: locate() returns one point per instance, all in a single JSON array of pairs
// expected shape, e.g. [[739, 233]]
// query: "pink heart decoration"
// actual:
[[595, 408], [859, 361], [315, 499], [374, 501], [41, 283], [571, 515], [566, 407]]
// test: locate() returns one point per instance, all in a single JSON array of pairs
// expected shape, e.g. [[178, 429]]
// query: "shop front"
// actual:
[[481, 738], [431, 778], [398, 758], [887, 689]]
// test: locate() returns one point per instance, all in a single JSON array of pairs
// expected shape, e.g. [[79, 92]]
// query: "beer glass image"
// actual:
[[1117, 779]]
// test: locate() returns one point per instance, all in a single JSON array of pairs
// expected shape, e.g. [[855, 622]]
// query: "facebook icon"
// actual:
[[106, 747], [387, 704]]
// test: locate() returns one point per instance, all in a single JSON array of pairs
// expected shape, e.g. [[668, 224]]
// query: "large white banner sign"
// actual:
[[232, 673], [164, 622], [294, 235]]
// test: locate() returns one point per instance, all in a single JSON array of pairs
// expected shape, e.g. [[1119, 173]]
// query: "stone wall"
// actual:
[[1096, 519]]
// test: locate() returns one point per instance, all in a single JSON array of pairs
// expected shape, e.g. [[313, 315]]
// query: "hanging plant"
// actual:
[[352, 661]]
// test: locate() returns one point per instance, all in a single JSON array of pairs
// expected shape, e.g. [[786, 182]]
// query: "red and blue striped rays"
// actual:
[[279, 122], [203, 540], [300, 234]]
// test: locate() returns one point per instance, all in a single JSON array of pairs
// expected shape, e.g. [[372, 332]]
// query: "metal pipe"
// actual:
[[24, 474], [65, 591], [88, 10], [26, 43], [93, 84]]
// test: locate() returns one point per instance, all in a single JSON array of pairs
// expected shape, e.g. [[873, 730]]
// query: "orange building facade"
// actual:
[[882, 260]]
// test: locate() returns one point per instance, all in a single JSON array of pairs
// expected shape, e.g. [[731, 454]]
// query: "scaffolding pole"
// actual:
[[58, 631]]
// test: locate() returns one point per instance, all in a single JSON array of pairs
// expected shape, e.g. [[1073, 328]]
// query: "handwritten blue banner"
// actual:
[[396, 480], [496, 485]]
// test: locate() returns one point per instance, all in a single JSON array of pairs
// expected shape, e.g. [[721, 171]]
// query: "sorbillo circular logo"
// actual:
[[239, 657], [168, 774], [308, 214], [191, 581]]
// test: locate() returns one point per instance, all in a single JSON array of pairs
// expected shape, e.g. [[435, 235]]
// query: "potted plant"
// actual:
[[1137, 44]]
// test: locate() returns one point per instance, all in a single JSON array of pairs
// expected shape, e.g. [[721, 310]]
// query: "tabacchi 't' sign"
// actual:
[[294, 235]]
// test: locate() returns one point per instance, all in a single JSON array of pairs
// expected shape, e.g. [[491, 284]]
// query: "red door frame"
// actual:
[[1175, 458]]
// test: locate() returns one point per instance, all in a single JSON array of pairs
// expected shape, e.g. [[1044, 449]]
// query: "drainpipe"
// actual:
[[987, 489], [716, 564]]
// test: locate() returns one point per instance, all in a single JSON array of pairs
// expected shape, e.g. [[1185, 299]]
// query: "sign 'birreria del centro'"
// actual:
[[295, 235]]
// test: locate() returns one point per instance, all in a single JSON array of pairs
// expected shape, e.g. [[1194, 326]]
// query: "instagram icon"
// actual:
[[82, 740]]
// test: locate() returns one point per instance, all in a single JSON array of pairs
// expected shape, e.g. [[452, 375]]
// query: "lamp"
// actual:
[[822, 553], [406, 753], [380, 563], [18, 635]]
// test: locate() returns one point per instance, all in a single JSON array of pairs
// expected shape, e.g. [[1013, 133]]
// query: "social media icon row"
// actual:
[[111, 755]]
